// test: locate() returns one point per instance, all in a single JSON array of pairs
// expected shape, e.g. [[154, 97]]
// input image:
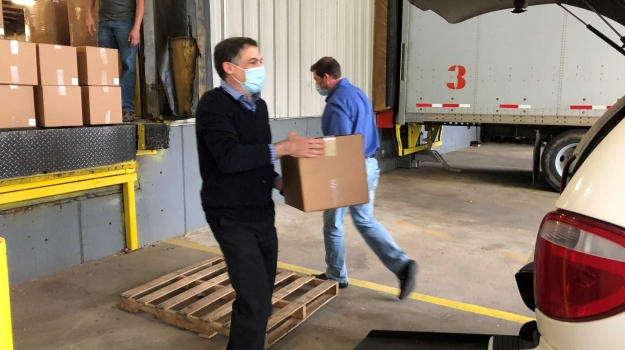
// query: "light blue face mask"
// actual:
[[254, 79], [322, 92]]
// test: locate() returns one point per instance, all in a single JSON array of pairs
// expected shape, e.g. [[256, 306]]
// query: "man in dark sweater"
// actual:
[[236, 162]]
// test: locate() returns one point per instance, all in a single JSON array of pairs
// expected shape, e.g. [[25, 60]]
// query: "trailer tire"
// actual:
[[556, 153]]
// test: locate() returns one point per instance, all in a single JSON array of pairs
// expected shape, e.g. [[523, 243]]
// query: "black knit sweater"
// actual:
[[235, 160]]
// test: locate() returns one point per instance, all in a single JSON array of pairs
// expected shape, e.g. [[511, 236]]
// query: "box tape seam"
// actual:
[[60, 80], [335, 190], [330, 143], [103, 56], [15, 75], [15, 48]]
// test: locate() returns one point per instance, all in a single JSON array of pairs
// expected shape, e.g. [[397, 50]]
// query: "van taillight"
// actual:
[[579, 268]]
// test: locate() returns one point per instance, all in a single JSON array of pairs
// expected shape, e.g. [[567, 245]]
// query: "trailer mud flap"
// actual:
[[378, 340]]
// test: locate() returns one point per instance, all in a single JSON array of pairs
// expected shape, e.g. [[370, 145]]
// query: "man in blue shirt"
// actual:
[[347, 112]]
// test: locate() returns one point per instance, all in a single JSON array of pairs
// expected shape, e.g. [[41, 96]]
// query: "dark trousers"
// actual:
[[251, 253]]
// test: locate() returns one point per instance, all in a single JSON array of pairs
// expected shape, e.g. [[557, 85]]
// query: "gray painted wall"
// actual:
[[47, 237], [458, 137]]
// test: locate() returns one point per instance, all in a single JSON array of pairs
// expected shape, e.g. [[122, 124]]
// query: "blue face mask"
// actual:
[[254, 79], [322, 92]]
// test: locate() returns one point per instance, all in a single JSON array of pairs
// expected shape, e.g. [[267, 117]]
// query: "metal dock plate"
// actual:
[[43, 151]]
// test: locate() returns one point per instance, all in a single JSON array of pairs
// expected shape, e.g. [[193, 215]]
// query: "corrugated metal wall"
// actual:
[[292, 35]]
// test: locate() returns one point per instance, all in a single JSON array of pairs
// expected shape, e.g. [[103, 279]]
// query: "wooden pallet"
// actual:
[[199, 298]]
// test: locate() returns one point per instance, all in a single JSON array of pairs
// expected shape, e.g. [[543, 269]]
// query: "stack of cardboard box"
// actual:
[[72, 86], [99, 76], [57, 98], [18, 75]]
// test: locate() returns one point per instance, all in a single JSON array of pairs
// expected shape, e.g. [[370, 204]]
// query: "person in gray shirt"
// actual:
[[120, 28]]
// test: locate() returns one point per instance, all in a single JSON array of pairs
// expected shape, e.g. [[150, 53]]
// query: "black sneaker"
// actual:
[[128, 117], [325, 278], [407, 279]]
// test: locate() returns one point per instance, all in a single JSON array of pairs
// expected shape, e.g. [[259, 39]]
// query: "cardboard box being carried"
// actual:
[[77, 14], [58, 65], [17, 107], [102, 105], [18, 63], [337, 179], [46, 22], [98, 66], [58, 106]]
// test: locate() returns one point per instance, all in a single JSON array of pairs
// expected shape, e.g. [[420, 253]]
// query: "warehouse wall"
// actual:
[[292, 35]]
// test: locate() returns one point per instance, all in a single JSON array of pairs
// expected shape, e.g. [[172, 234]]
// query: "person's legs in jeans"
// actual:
[[106, 36], [250, 251], [334, 239], [376, 236], [128, 80]]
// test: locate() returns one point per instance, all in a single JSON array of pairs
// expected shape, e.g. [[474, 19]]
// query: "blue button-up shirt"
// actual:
[[348, 111], [250, 105]]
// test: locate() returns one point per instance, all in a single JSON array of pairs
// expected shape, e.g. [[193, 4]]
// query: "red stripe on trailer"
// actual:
[[514, 106], [443, 105], [588, 107]]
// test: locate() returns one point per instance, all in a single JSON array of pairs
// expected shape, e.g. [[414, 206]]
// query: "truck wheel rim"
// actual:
[[563, 155]]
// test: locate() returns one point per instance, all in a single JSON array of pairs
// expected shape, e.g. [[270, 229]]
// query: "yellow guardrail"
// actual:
[[15, 191], [6, 329]]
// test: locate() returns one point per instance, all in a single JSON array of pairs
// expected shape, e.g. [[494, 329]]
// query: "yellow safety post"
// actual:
[[6, 329], [130, 216]]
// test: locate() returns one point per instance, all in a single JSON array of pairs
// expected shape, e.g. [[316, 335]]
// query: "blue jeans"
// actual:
[[114, 35], [376, 236]]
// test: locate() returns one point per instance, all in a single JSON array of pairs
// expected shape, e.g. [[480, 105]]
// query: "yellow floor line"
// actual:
[[429, 231], [475, 309]]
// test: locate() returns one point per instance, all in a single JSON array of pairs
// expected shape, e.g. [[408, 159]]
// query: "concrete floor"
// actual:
[[469, 231]]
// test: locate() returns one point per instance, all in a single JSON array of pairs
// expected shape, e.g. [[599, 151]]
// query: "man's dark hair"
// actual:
[[228, 51], [327, 65]]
